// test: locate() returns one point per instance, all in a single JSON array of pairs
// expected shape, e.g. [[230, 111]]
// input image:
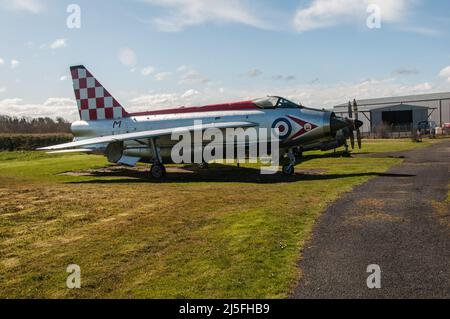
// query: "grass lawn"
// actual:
[[234, 235]]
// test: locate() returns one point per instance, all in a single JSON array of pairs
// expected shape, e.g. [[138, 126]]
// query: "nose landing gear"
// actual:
[[289, 168], [346, 152]]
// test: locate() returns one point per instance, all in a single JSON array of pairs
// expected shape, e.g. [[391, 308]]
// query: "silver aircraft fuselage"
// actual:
[[306, 127]]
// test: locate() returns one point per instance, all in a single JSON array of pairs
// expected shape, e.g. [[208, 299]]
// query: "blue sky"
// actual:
[[165, 53]]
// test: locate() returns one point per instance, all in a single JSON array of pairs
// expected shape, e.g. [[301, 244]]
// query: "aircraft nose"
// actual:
[[337, 124]]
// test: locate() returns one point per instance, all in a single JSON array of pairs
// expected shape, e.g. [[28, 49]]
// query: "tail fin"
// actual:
[[93, 100]]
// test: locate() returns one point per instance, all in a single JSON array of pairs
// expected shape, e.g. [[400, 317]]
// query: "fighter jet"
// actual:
[[106, 128]]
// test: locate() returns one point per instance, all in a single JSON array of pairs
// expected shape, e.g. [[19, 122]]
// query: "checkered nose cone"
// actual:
[[93, 100]]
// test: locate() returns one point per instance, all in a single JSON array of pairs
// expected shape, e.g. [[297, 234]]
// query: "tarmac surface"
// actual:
[[399, 221]]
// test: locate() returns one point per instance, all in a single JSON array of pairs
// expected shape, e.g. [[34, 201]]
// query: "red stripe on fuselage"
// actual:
[[246, 105]]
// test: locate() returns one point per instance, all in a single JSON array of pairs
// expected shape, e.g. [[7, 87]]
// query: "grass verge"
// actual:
[[233, 237]]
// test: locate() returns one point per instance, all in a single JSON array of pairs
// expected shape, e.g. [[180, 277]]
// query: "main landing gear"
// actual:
[[203, 165], [157, 171]]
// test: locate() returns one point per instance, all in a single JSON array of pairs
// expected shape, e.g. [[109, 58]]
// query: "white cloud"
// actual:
[[189, 75], [328, 13], [330, 95], [445, 73], [161, 76], [127, 57], [190, 93], [185, 13], [253, 73], [59, 101], [63, 78], [154, 101], [157, 101], [147, 70], [52, 107], [58, 44], [2, 89], [182, 68], [9, 102], [319, 96], [422, 87], [33, 6], [14, 64], [2, 61]]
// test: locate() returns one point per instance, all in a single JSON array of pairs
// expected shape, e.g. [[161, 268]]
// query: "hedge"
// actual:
[[27, 142]]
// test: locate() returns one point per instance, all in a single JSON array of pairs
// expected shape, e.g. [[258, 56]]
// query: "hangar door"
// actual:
[[397, 117]]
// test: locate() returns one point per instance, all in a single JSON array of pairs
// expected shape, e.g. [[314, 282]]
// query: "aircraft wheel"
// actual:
[[203, 165], [288, 169], [158, 171]]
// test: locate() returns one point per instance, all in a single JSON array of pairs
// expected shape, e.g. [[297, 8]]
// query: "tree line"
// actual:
[[27, 125]]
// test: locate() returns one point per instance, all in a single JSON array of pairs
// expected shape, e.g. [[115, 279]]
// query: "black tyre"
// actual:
[[288, 169], [203, 165], [158, 171]]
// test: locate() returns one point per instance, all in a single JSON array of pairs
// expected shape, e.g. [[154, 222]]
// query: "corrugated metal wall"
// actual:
[[437, 114]]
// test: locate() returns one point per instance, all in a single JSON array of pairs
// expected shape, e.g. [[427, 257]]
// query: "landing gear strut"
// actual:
[[346, 152], [157, 170], [289, 169]]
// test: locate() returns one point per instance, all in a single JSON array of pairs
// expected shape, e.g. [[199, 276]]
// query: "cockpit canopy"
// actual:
[[275, 102]]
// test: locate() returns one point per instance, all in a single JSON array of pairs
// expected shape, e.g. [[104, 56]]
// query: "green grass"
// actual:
[[238, 236], [383, 146], [398, 145]]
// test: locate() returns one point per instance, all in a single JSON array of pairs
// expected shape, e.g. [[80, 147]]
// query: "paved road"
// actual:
[[389, 221]]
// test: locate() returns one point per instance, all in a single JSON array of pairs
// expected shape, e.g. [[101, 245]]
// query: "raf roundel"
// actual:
[[284, 128]]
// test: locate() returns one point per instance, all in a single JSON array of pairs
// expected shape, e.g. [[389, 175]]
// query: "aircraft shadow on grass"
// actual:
[[216, 173]]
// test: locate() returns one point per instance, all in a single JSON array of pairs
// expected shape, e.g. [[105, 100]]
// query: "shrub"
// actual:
[[27, 142]]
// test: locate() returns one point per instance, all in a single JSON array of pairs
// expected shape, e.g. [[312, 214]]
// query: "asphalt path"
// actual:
[[398, 221]]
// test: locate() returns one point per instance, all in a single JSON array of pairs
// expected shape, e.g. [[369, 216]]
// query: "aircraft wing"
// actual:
[[75, 150], [145, 135]]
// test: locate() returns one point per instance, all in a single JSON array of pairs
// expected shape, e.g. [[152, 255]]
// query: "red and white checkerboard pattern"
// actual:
[[93, 100]]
